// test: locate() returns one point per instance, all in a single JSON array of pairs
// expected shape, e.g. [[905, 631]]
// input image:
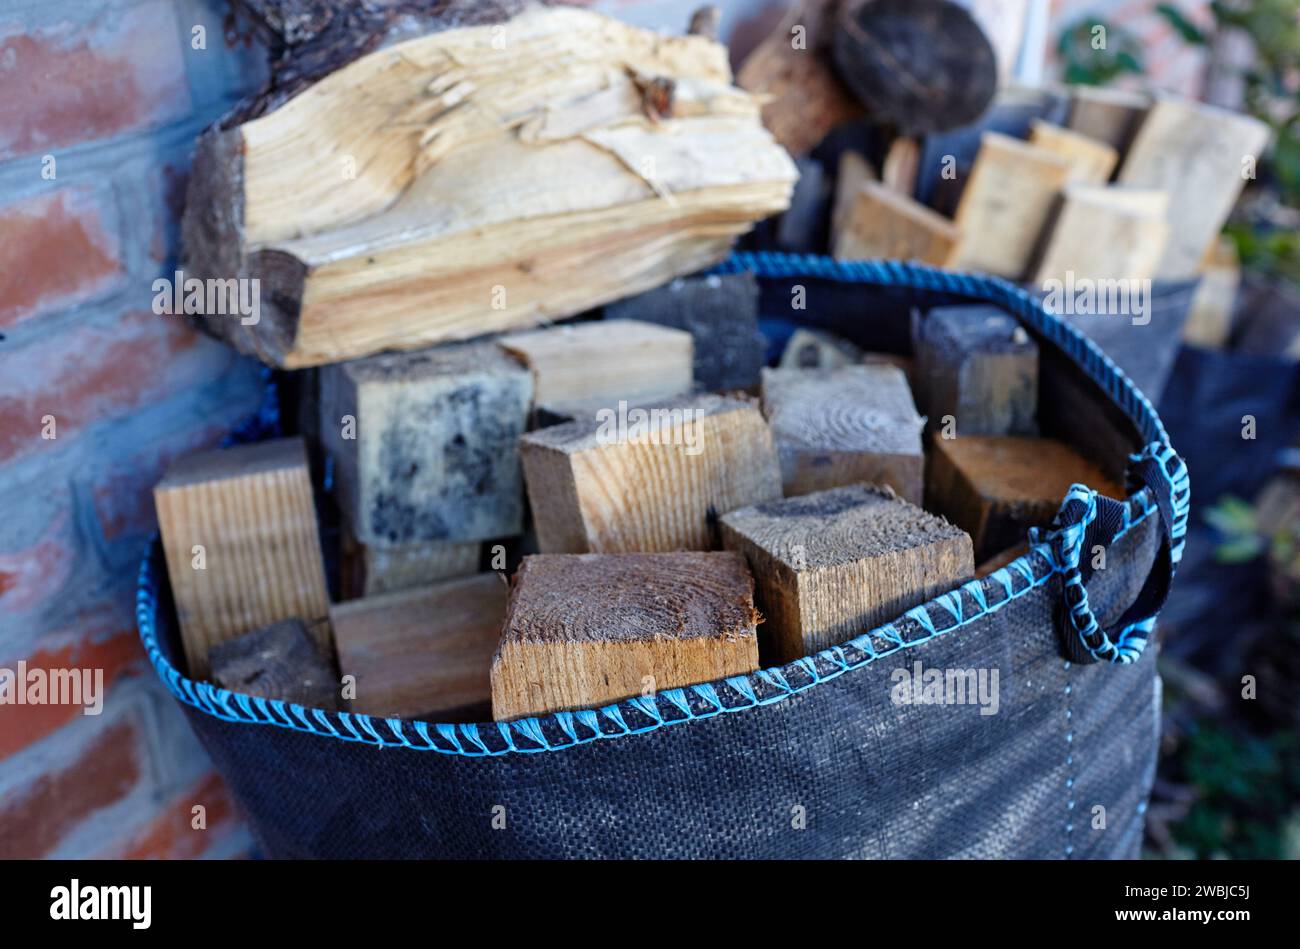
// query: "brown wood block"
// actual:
[[1091, 161], [423, 653], [604, 361], [650, 479], [281, 661], [845, 426], [1107, 115], [368, 570], [587, 630], [832, 565], [996, 488], [1005, 205], [881, 222], [239, 532]]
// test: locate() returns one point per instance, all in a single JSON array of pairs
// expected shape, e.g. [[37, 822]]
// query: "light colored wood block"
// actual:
[[1201, 156], [651, 479], [239, 532], [845, 426], [423, 653], [1007, 201], [996, 488], [852, 173], [835, 564], [432, 458], [1106, 233], [1091, 161], [587, 630], [881, 222], [1209, 322], [604, 361]]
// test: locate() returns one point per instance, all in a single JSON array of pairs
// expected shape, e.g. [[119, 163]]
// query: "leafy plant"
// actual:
[[1237, 522], [1095, 53]]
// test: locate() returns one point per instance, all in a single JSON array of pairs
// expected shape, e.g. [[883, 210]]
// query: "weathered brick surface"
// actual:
[[72, 82], [33, 820], [55, 250], [173, 834]]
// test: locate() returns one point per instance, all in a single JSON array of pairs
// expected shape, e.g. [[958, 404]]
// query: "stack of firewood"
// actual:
[[671, 509]]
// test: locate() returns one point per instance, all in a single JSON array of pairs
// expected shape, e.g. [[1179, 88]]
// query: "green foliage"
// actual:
[[1274, 252], [1095, 53], [1188, 30], [1245, 786], [1237, 522]]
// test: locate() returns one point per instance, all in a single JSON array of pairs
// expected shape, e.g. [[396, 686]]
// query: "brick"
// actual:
[[122, 495], [116, 652], [71, 82], [102, 371], [30, 576], [171, 834], [55, 251], [33, 821]]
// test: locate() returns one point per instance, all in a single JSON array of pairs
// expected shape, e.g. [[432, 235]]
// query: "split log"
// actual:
[[1091, 162], [720, 313], [1202, 156], [845, 426], [423, 653], [1106, 233], [880, 222], [1005, 205], [459, 183], [921, 65], [602, 362], [901, 164], [370, 569], [424, 443], [1107, 115], [832, 565], [281, 661], [996, 488], [653, 478], [239, 532], [791, 69], [978, 366], [814, 349], [584, 631]]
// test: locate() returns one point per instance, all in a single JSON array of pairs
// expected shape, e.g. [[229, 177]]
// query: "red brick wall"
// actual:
[[101, 104]]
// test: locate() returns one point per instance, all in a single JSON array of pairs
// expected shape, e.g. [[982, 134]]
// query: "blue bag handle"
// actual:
[[1087, 519]]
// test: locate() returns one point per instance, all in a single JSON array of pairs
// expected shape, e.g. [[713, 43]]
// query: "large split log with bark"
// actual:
[[478, 179]]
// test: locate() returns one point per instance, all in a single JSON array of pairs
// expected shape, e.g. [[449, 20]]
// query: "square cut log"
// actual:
[[1091, 162], [834, 564], [371, 569], [428, 455], [996, 488], [1006, 204], [281, 661], [881, 222], [604, 361], [423, 653], [977, 366], [590, 629], [653, 478], [845, 426], [721, 314], [243, 550], [1108, 115], [1202, 156], [1108, 233]]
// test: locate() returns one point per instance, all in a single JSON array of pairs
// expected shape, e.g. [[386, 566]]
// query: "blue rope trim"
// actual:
[[945, 614]]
